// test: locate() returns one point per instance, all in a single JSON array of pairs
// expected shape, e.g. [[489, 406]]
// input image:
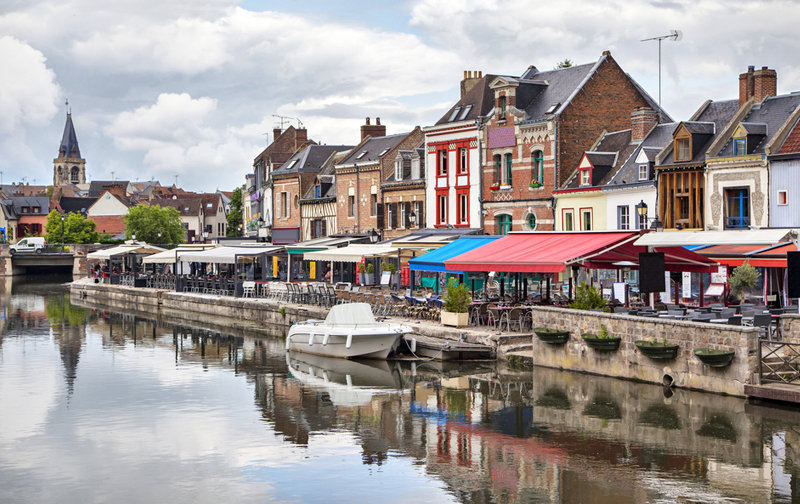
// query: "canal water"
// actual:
[[98, 405]]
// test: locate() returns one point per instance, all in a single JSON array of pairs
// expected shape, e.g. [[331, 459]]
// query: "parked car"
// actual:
[[33, 244]]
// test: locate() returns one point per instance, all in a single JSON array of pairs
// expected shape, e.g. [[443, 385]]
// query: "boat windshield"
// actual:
[[350, 314]]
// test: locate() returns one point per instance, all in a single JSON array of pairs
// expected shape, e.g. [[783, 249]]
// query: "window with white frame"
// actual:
[[398, 170], [415, 169], [443, 162], [586, 220], [463, 165], [418, 223], [463, 208], [586, 177], [623, 217], [643, 175], [442, 209], [569, 221], [783, 198], [401, 224]]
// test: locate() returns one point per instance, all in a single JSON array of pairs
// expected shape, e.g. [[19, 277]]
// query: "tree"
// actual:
[[147, 221], [77, 229], [743, 278], [567, 63], [588, 297], [235, 215]]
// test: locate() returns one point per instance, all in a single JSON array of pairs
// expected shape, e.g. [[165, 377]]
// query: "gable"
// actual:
[[585, 163], [107, 204]]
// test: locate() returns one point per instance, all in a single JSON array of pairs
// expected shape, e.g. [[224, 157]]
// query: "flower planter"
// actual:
[[534, 186], [368, 278], [552, 336], [656, 350], [714, 358], [494, 187], [608, 344], [454, 319]]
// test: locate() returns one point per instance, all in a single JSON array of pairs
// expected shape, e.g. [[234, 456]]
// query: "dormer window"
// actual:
[[398, 169], [502, 108], [683, 149], [586, 177], [415, 171], [740, 147], [643, 175]]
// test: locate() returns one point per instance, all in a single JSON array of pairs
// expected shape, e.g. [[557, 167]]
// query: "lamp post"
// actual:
[[159, 237], [412, 217], [641, 211], [62, 233], [374, 236], [133, 236]]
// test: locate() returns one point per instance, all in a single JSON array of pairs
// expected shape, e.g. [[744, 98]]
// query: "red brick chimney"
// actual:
[[276, 133], [643, 119], [118, 189], [374, 131], [757, 84], [300, 136]]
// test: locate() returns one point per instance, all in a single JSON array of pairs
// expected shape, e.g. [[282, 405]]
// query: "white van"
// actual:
[[34, 244]]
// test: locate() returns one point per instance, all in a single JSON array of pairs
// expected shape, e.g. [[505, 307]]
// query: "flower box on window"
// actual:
[[494, 187], [534, 185]]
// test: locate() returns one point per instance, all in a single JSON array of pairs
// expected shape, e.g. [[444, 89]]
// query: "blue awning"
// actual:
[[434, 260]]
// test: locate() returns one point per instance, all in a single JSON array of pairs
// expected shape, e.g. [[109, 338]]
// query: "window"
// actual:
[[464, 158], [318, 191], [502, 108], [783, 198], [740, 147], [569, 221], [463, 208], [586, 220], [503, 224], [26, 209], [36, 209], [351, 205], [454, 114], [390, 217], [402, 216], [75, 177], [586, 177], [420, 221], [683, 149], [498, 164], [415, 171], [509, 162], [532, 221], [623, 217], [737, 209], [641, 221], [465, 113], [443, 162], [538, 167], [398, 170], [442, 209], [374, 205], [643, 175]]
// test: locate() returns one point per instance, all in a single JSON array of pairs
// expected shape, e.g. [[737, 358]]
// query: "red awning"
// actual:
[[759, 256], [552, 252]]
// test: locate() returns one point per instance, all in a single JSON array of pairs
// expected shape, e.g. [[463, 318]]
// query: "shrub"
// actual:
[[457, 297], [370, 269], [743, 278], [587, 298], [389, 267]]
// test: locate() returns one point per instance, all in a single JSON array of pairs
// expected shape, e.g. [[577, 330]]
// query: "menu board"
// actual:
[[721, 276]]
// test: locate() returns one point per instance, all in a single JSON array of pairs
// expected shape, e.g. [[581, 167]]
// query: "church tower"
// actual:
[[69, 167]]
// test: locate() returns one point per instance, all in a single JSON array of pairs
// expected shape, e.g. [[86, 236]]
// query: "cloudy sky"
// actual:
[[189, 88]]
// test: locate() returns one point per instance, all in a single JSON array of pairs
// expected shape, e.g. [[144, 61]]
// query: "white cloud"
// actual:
[[28, 92]]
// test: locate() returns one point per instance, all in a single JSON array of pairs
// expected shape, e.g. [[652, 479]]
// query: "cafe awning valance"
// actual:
[[120, 250], [351, 253], [434, 260], [224, 255]]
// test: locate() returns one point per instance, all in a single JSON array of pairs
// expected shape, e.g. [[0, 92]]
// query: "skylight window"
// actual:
[[208, 205], [465, 113], [384, 151], [294, 162], [363, 153], [552, 108], [454, 114]]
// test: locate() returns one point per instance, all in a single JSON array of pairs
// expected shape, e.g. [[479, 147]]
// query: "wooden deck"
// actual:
[[785, 392]]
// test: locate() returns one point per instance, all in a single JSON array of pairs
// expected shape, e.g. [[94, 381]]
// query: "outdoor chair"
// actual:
[[727, 313], [735, 320], [249, 289], [763, 321], [514, 318], [398, 305], [494, 316]]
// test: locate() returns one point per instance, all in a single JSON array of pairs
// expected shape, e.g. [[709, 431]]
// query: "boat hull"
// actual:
[[371, 343]]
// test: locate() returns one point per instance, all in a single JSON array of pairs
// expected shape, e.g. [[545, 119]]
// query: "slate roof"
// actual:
[[773, 112], [603, 157], [720, 113], [310, 159], [373, 148], [479, 100], [77, 205], [214, 199], [327, 178], [98, 187], [69, 141], [43, 202], [628, 172], [8, 210], [188, 207]]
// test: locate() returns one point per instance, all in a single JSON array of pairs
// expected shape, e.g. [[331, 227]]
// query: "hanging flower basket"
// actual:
[[714, 358], [608, 344], [657, 350], [552, 336]]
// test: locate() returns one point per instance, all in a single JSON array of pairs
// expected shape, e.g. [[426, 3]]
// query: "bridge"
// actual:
[[69, 259]]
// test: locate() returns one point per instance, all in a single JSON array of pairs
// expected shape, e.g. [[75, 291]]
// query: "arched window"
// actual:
[[75, 175], [509, 178], [538, 167], [503, 224], [498, 163], [532, 221]]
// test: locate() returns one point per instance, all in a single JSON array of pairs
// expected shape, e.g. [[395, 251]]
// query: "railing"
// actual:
[[778, 361]]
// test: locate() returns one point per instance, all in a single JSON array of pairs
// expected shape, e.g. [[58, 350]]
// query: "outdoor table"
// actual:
[[718, 321]]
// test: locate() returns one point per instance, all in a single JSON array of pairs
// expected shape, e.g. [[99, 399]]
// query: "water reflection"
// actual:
[[96, 402]]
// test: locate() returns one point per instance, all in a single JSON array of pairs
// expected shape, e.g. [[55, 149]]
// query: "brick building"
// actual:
[[318, 205], [359, 177], [290, 182], [284, 146], [404, 194], [541, 124]]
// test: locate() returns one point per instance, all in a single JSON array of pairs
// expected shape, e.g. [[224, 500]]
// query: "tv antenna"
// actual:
[[676, 36], [286, 119]]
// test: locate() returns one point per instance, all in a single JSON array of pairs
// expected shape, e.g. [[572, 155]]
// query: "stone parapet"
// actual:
[[684, 371]]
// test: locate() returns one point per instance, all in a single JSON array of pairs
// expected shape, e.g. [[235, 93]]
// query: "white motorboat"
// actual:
[[349, 330]]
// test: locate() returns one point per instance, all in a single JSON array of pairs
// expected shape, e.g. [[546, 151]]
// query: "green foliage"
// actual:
[[587, 298], [457, 297], [743, 278], [567, 63], [603, 332], [370, 269], [146, 222], [60, 310], [234, 217], [77, 229], [389, 267]]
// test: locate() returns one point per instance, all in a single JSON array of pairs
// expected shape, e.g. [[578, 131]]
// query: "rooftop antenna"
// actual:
[[283, 119], [176, 181], [69, 111], [112, 176], [676, 36]]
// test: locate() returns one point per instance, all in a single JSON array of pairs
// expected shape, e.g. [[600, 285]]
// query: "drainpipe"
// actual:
[[480, 173]]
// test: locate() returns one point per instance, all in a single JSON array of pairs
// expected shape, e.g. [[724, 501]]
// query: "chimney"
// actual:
[[276, 133], [765, 84], [746, 82], [643, 119], [470, 79], [374, 131], [301, 135], [118, 189]]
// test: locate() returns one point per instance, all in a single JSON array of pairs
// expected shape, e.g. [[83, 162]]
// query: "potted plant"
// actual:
[[743, 278], [534, 184], [657, 349], [602, 341], [495, 186], [587, 298], [369, 275], [552, 336], [360, 271], [713, 357], [456, 304]]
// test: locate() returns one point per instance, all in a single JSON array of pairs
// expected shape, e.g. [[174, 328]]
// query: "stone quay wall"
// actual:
[[628, 362]]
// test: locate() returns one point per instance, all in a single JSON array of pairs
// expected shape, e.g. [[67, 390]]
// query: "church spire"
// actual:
[[69, 141], [69, 167]]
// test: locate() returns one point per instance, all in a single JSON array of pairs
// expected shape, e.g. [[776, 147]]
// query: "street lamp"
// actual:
[[412, 217], [641, 210], [159, 237], [62, 232], [374, 236], [133, 236]]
